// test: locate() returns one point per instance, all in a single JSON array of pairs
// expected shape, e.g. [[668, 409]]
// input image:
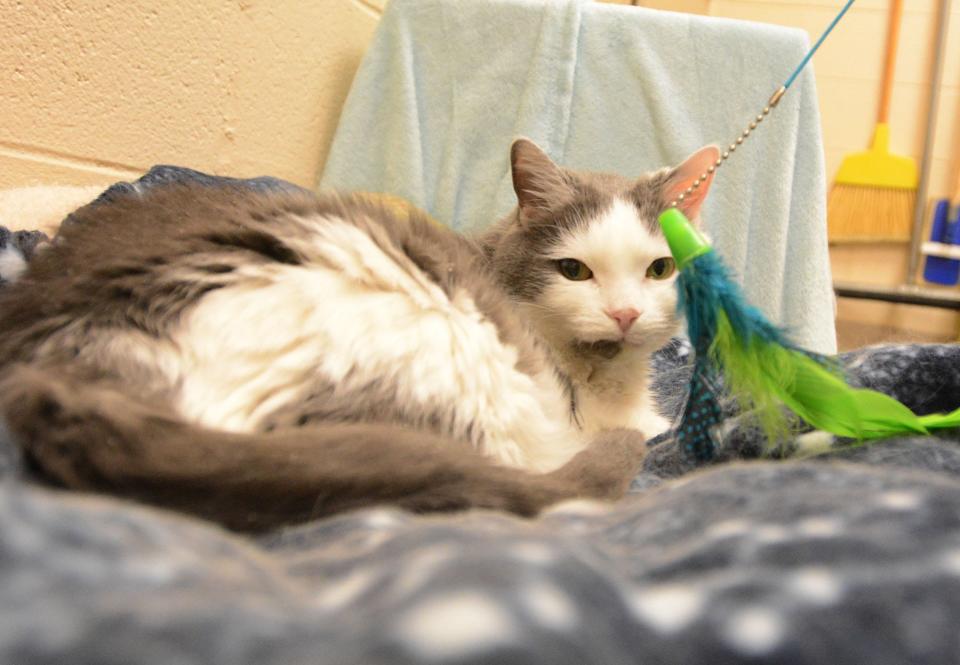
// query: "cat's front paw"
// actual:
[[606, 467]]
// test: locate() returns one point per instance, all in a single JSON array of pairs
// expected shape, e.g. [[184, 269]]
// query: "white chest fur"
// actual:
[[358, 313], [634, 410], [616, 393]]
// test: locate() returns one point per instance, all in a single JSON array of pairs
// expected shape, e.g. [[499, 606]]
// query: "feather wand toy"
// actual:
[[759, 366]]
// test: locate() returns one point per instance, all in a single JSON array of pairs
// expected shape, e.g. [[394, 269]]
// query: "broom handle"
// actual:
[[890, 61], [919, 207], [956, 188]]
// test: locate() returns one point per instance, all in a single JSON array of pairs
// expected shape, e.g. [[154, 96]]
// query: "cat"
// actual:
[[263, 358], [583, 256]]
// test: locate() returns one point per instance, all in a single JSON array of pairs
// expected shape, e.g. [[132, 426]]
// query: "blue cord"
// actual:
[[806, 58], [771, 103]]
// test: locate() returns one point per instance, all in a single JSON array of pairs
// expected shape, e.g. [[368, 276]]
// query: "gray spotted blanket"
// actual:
[[852, 556]]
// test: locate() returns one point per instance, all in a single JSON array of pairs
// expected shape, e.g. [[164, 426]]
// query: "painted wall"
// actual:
[[96, 90]]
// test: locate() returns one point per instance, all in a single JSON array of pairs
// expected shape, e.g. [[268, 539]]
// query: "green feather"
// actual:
[[762, 370], [941, 420], [757, 375], [763, 375]]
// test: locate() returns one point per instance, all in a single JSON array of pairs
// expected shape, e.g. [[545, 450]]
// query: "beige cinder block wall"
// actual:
[[92, 91]]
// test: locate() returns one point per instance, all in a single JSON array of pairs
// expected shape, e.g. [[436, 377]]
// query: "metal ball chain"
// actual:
[[771, 103]]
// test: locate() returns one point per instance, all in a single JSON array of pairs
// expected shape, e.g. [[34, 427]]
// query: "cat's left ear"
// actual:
[[685, 175], [538, 183]]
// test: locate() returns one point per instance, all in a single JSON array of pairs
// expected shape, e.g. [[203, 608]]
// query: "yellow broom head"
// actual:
[[873, 194]]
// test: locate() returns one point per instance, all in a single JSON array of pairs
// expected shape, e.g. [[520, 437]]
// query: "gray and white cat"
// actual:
[[263, 358], [584, 257]]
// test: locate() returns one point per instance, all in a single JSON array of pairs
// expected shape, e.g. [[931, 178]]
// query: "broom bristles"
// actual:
[[856, 213]]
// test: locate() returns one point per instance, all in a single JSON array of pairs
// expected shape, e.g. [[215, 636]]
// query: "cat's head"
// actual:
[[584, 255]]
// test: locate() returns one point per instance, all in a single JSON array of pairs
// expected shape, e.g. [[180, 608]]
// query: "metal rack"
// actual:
[[907, 294]]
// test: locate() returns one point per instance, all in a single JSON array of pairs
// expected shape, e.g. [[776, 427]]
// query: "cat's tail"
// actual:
[[92, 437]]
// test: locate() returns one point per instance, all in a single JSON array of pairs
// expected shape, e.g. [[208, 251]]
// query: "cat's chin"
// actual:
[[608, 349], [604, 348]]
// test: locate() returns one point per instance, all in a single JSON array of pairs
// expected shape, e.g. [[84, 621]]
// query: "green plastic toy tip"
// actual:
[[685, 241]]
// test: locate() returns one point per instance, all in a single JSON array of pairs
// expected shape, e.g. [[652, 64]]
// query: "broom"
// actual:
[[874, 192]]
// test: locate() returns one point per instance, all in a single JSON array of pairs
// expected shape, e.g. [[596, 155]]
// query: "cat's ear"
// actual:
[[538, 182], [685, 175]]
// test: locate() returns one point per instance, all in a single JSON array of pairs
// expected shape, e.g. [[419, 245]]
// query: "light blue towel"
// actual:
[[448, 84]]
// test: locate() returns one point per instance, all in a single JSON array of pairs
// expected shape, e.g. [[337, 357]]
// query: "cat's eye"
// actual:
[[661, 268], [574, 270]]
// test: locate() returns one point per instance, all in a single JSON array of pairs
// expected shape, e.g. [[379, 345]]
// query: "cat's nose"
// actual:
[[623, 317]]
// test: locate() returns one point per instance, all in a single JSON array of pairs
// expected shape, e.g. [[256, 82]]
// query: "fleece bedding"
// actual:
[[849, 556]]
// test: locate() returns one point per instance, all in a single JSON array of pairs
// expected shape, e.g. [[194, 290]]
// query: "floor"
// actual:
[[852, 335]]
